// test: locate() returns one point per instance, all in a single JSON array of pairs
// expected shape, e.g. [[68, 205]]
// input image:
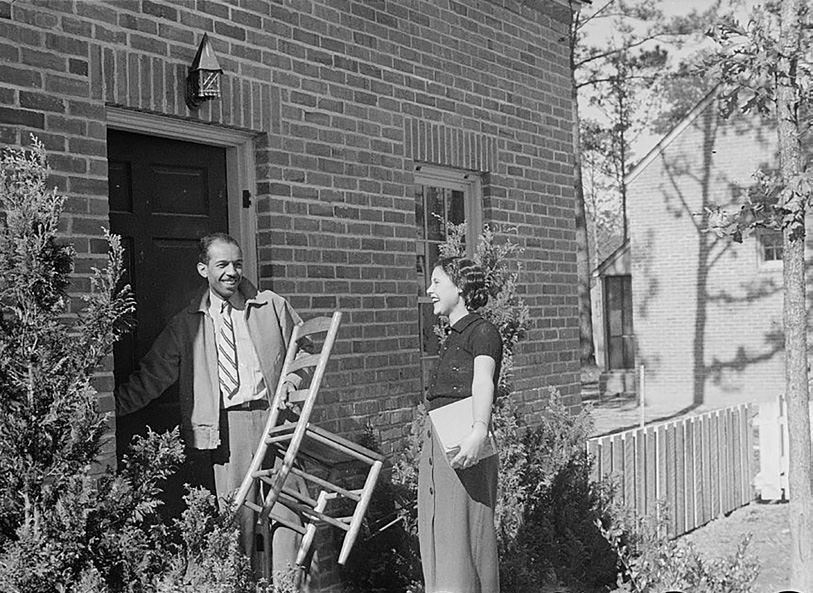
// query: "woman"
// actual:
[[456, 498]]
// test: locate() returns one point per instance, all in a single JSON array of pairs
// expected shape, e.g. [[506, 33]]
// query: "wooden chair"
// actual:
[[296, 446]]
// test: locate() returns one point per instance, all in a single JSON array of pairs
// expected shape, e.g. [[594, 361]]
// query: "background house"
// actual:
[[707, 311]]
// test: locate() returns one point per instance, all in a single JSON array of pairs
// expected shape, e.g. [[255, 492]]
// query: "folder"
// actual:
[[452, 423]]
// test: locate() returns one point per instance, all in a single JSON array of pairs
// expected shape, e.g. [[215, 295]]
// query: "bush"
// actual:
[[385, 557], [651, 561], [67, 524], [558, 543]]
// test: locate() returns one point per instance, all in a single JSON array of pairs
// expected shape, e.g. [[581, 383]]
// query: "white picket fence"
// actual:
[[771, 483]]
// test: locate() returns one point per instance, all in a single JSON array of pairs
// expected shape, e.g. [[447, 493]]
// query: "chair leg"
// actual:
[[310, 530], [358, 514]]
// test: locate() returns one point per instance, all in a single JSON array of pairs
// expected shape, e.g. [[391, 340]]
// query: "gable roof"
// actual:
[[618, 259], [674, 133]]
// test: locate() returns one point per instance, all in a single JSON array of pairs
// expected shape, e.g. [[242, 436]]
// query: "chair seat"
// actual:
[[322, 446]]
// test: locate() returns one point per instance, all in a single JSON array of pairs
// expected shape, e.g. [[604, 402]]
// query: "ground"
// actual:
[[767, 523]]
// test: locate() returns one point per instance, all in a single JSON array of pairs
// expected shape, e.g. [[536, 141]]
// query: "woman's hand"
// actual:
[[471, 447]]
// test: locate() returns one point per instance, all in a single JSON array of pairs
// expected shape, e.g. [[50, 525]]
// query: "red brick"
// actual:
[[41, 102], [22, 117]]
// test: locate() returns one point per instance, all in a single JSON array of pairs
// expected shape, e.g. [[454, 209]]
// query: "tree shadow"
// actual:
[[690, 188]]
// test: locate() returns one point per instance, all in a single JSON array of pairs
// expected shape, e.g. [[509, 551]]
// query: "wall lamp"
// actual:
[[203, 80]]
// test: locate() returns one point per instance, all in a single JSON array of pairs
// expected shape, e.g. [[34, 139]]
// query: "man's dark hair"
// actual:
[[206, 242]]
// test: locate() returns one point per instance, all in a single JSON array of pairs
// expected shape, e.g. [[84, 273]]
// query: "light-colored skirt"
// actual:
[[456, 522]]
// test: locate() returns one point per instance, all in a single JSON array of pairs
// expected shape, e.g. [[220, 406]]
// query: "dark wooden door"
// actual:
[[164, 196]]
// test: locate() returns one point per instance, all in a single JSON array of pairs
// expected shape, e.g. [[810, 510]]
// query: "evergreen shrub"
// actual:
[[67, 524]]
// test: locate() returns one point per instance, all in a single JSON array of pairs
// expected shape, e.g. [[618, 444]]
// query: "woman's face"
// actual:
[[444, 293]]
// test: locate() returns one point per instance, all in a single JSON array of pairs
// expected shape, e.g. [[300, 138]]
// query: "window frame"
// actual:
[[761, 248], [470, 183], [627, 338]]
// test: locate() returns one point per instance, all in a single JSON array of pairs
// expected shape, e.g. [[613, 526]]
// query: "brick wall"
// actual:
[[707, 312], [345, 97]]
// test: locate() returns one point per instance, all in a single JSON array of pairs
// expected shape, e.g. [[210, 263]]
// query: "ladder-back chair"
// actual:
[[296, 446]]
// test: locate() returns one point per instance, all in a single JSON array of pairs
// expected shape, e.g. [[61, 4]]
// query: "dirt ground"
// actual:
[[768, 525]]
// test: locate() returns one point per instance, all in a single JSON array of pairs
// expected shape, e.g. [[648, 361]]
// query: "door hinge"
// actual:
[[246, 198]]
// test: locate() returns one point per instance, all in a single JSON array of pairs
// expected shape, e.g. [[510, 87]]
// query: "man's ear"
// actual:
[[202, 270]]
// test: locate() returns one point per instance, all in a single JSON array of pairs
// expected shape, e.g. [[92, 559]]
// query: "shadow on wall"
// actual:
[[713, 252]]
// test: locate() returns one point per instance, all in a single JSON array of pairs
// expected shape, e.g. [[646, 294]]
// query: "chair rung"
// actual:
[[310, 512], [289, 524], [254, 507], [318, 436], [325, 484], [270, 440], [303, 498]]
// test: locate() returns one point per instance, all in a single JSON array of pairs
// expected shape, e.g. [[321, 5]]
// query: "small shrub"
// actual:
[[385, 558], [557, 543], [651, 561]]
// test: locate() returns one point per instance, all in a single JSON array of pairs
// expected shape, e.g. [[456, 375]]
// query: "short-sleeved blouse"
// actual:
[[470, 337]]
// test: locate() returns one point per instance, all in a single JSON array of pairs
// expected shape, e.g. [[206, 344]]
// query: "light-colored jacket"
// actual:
[[186, 352]]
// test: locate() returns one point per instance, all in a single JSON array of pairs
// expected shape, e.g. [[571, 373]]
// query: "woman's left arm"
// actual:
[[482, 391]]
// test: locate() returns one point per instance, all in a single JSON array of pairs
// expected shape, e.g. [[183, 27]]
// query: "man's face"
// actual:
[[224, 269]]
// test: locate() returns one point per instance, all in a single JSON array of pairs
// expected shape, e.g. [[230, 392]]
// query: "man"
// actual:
[[225, 350]]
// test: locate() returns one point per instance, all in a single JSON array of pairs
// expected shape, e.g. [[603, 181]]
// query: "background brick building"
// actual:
[[707, 311], [334, 115]]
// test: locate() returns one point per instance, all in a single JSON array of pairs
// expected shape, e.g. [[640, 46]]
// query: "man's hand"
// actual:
[[287, 389]]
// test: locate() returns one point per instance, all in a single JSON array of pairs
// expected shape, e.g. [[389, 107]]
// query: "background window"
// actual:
[[770, 246], [618, 319], [441, 196]]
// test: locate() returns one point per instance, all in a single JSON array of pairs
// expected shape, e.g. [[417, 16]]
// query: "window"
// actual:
[[769, 244], [441, 196], [618, 319]]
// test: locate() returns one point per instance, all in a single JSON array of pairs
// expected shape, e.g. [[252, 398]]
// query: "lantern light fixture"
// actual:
[[203, 81]]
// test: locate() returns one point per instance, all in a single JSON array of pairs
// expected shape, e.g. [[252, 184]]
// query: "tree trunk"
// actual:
[[583, 269], [795, 314]]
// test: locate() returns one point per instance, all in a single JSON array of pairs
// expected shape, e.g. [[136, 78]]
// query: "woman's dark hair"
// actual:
[[468, 277]]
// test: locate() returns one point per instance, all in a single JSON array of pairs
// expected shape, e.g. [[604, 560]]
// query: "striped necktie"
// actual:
[[227, 353]]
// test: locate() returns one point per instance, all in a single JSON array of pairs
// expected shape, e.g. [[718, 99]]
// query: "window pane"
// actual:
[[420, 214], [616, 353], [457, 207], [771, 242], [434, 256], [629, 352], [615, 320], [429, 341], [434, 214], [421, 273], [626, 298]]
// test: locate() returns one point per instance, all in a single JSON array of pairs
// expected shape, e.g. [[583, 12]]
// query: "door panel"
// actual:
[[164, 196]]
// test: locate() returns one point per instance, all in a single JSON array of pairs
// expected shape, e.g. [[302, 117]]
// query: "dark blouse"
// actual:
[[470, 337]]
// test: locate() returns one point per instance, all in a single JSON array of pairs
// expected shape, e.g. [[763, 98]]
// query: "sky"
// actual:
[[602, 28]]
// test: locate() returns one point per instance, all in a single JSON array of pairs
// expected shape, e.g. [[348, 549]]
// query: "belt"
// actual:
[[255, 404]]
